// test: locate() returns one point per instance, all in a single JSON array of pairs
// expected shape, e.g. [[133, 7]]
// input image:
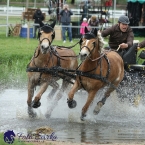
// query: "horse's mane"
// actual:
[[101, 42]]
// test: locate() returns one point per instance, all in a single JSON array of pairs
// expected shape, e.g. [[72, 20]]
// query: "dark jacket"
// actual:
[[38, 16], [117, 36], [93, 23], [66, 17], [142, 44]]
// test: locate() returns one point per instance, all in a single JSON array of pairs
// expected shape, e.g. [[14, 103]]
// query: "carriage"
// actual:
[[98, 68]]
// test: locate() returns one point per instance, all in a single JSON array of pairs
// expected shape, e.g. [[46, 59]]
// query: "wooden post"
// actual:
[[28, 31]]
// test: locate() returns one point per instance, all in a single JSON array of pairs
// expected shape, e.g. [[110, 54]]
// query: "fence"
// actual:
[[113, 13]]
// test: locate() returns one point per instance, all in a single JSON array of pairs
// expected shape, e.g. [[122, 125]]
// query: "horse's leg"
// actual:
[[72, 103], [57, 98], [36, 102], [102, 102], [55, 87], [31, 87], [90, 98]]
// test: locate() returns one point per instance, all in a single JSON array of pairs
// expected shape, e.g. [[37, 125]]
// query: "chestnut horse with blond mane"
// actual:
[[106, 66], [46, 57]]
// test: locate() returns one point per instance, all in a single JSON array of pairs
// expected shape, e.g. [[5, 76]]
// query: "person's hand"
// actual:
[[65, 7], [99, 31], [123, 45]]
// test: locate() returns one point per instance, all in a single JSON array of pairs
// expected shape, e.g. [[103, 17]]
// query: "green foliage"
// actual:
[[14, 57]]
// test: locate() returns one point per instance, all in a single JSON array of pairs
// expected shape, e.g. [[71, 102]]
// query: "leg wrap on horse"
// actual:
[[83, 117], [71, 103], [36, 104], [31, 113], [103, 100]]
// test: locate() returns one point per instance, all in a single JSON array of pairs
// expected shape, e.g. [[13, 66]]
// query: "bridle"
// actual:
[[47, 40], [90, 51], [47, 29]]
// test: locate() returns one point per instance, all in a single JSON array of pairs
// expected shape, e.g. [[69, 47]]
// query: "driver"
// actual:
[[120, 35]]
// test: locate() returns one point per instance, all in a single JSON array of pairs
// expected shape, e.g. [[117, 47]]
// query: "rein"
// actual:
[[118, 48], [102, 55], [53, 49], [59, 46]]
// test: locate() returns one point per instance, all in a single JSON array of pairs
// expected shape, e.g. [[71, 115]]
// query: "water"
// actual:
[[120, 120]]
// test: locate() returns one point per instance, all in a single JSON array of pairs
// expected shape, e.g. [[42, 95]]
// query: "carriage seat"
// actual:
[[130, 56], [130, 63]]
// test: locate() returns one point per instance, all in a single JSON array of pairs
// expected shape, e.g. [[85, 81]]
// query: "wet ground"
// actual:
[[117, 122]]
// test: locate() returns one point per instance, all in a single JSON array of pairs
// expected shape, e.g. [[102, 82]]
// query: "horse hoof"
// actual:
[[36, 104], [47, 115], [72, 103], [31, 113], [83, 117], [96, 112], [97, 108]]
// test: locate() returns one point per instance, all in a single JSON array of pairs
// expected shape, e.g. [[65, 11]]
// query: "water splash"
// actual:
[[124, 107]]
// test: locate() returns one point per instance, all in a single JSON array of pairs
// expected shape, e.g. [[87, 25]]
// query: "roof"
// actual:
[[140, 1]]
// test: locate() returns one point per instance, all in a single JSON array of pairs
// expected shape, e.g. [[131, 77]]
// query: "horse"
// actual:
[[40, 72], [98, 69]]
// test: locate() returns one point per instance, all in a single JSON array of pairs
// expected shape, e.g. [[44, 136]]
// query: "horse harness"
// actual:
[[95, 76], [99, 63], [55, 70]]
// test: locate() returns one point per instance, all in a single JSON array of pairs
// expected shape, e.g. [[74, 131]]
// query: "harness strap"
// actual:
[[40, 78], [80, 80], [59, 47], [67, 72], [53, 49], [52, 71]]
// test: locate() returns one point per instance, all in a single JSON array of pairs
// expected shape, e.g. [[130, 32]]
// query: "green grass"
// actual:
[[15, 54]]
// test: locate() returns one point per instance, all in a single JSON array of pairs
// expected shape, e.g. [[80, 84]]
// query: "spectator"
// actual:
[[120, 35], [83, 25], [65, 22], [38, 18], [93, 22]]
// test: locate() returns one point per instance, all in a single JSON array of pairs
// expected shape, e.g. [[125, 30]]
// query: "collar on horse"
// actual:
[[96, 76]]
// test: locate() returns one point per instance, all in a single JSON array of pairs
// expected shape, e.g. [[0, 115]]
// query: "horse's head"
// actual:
[[46, 35], [90, 43]]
